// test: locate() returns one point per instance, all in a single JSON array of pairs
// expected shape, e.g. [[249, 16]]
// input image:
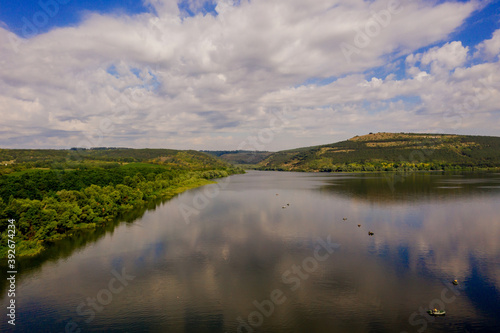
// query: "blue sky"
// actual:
[[210, 74], [71, 12], [68, 12], [478, 27]]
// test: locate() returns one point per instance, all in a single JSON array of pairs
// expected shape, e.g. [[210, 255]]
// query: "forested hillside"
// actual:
[[391, 152], [53, 193], [20, 159]]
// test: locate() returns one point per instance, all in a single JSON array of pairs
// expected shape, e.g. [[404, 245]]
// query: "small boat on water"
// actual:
[[455, 282], [370, 233], [436, 312]]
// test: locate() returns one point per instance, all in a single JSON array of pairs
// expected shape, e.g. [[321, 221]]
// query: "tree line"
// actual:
[[51, 204]]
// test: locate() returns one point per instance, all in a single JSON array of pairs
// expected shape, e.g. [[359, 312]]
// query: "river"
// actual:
[[280, 252]]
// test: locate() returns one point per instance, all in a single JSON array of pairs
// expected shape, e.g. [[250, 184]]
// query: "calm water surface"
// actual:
[[229, 258]]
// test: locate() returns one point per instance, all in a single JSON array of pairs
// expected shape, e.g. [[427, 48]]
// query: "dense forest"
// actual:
[[54, 193], [21, 159], [392, 152]]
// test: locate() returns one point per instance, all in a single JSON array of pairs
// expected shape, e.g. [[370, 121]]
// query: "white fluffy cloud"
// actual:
[[447, 57], [490, 48], [164, 79]]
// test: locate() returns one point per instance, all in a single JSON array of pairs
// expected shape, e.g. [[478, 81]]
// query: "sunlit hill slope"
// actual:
[[391, 152]]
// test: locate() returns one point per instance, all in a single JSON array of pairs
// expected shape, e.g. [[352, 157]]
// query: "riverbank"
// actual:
[[41, 222]]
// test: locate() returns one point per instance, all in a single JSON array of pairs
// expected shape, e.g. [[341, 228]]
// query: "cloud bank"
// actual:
[[208, 80]]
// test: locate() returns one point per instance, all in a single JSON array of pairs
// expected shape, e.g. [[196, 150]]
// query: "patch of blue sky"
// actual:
[[479, 26], [136, 72], [319, 82], [367, 105], [112, 71], [28, 18], [207, 8], [152, 84], [409, 102], [395, 67]]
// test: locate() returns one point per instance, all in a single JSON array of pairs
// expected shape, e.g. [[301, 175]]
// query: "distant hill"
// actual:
[[19, 159], [239, 156], [390, 152]]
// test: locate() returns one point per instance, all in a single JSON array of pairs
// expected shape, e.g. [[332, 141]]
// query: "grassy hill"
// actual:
[[15, 160], [391, 152]]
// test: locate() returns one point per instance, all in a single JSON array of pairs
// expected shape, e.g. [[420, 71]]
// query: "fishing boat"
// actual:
[[436, 312]]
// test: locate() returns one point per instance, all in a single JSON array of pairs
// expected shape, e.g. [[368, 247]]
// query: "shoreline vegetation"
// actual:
[[398, 170], [355, 168], [52, 197]]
